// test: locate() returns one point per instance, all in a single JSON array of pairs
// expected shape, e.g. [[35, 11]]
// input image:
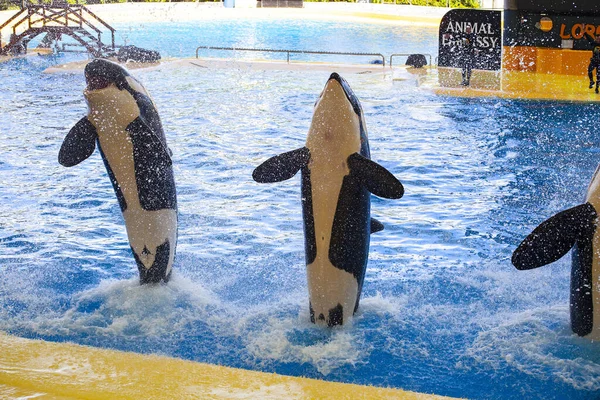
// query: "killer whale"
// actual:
[[123, 122], [338, 178], [576, 228]]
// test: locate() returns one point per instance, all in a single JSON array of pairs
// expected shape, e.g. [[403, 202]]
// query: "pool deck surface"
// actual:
[[511, 85], [519, 86], [45, 370]]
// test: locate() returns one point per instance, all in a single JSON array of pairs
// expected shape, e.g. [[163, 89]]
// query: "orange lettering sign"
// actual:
[[590, 30], [577, 31], [562, 32]]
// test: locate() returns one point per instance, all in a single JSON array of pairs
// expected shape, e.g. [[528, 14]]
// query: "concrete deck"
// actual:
[[40, 369]]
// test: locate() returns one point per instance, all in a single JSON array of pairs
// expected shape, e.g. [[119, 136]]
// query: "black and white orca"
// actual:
[[124, 122], [576, 228], [337, 179]]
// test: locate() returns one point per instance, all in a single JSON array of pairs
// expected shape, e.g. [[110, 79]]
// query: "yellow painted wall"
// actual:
[[546, 60]]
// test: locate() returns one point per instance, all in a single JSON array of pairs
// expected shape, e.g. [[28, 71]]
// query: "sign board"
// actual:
[[487, 35], [549, 30]]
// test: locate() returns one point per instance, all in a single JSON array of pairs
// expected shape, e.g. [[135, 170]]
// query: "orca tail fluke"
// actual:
[[282, 167], [158, 271], [336, 316], [552, 239]]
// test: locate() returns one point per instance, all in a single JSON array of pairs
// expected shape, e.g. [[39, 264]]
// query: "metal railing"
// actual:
[[406, 55], [288, 52]]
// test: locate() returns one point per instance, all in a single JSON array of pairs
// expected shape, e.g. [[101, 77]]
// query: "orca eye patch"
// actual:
[[98, 82]]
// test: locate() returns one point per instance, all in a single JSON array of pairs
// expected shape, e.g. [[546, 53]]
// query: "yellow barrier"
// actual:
[[35, 368], [545, 60]]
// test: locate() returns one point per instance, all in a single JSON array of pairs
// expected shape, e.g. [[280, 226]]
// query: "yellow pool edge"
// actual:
[[516, 85], [48, 370]]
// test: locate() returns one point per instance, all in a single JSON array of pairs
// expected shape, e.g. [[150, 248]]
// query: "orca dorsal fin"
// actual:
[[375, 178], [554, 237], [376, 226], [79, 143], [282, 167]]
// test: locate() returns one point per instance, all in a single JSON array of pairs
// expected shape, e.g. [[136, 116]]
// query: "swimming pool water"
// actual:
[[443, 310]]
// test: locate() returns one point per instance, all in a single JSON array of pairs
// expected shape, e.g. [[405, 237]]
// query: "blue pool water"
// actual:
[[443, 310]]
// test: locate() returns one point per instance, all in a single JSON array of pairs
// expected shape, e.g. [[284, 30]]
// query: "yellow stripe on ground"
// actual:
[[46, 370]]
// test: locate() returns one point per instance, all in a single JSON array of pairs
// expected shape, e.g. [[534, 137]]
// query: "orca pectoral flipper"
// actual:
[[375, 178], [376, 226], [79, 143], [282, 167], [554, 237]]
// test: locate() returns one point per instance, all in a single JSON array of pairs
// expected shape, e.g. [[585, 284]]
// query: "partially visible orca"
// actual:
[[577, 229], [124, 122], [337, 179]]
